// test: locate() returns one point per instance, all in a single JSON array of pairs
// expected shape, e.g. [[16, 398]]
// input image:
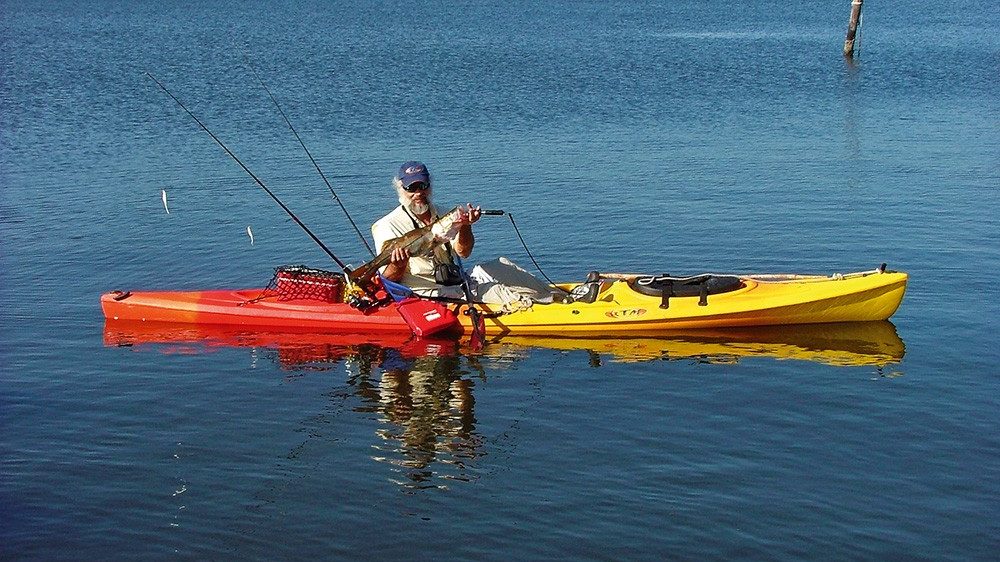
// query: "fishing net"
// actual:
[[298, 282]]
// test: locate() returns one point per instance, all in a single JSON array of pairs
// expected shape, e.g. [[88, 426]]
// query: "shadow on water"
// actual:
[[421, 390]]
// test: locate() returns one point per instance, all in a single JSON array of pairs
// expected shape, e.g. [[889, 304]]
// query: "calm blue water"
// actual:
[[676, 136]]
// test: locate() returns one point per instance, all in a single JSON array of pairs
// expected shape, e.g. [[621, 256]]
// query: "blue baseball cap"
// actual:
[[412, 172]]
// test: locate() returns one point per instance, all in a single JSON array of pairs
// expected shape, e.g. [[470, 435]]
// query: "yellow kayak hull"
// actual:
[[766, 300]]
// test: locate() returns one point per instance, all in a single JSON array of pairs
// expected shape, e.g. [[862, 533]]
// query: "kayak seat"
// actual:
[[666, 286]]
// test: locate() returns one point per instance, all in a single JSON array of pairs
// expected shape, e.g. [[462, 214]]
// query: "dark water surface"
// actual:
[[674, 136]]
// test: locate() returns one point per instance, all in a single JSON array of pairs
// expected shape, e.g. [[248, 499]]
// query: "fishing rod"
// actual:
[[309, 154], [342, 265]]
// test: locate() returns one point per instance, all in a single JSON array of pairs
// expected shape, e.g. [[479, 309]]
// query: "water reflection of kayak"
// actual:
[[847, 344]]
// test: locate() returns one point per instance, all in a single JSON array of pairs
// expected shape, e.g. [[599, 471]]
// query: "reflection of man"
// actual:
[[432, 406], [497, 282], [413, 189]]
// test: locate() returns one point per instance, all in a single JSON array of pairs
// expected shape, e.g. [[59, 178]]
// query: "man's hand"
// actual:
[[466, 240], [469, 215], [399, 259]]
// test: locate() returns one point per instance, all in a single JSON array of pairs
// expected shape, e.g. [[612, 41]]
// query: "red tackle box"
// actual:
[[426, 317]]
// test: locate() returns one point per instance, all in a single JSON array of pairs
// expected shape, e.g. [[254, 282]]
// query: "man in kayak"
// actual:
[[437, 274]]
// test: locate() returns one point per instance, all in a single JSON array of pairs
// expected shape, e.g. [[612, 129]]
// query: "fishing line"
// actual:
[[254, 176], [309, 154], [521, 238]]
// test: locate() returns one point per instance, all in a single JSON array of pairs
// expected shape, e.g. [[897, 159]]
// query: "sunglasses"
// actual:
[[416, 186]]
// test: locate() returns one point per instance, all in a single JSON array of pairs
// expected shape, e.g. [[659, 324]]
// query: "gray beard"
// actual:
[[413, 207]]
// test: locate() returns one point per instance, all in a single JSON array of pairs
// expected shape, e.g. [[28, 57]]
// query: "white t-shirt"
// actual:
[[420, 273]]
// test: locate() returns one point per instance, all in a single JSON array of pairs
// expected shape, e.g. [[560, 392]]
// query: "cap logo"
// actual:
[[413, 170]]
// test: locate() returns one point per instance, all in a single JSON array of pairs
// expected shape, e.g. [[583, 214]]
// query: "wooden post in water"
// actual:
[[852, 28]]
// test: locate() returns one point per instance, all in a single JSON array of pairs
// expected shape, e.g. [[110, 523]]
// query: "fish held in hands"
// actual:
[[416, 242]]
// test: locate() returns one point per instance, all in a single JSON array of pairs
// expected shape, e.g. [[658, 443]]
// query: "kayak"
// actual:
[[841, 344], [607, 305]]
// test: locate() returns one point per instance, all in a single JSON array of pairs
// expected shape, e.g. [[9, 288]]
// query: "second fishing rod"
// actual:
[[309, 154], [277, 105]]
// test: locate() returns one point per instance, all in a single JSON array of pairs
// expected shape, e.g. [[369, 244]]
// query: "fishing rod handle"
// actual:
[[493, 212]]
